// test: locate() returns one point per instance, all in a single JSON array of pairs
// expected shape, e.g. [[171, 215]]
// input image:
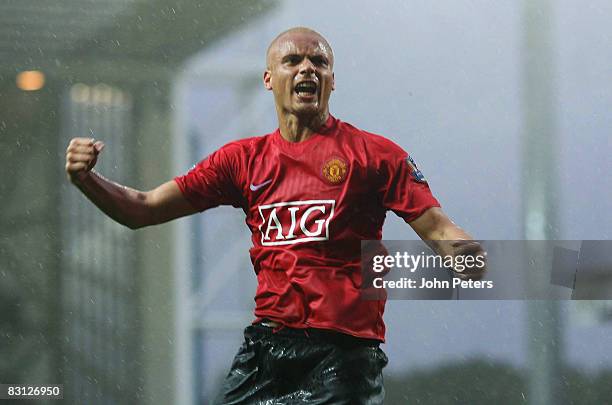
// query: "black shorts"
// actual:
[[312, 366]]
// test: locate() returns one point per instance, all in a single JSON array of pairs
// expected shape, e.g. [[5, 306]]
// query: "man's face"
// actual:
[[300, 73]]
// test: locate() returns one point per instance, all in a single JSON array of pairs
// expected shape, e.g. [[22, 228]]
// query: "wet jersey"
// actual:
[[308, 205]]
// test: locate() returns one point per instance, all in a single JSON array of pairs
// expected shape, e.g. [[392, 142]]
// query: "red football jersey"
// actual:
[[308, 206]]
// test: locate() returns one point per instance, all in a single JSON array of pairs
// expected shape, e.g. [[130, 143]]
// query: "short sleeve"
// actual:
[[405, 190], [213, 181]]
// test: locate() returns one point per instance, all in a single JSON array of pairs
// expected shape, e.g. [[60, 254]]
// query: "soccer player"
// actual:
[[310, 191]]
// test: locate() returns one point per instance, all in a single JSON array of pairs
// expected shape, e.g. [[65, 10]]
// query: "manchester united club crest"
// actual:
[[334, 170]]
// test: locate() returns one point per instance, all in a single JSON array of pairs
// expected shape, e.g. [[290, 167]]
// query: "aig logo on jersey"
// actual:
[[291, 222]]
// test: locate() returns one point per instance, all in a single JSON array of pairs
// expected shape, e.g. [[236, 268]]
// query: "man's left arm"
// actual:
[[436, 229]]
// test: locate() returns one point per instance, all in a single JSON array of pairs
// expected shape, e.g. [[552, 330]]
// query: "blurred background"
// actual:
[[505, 106]]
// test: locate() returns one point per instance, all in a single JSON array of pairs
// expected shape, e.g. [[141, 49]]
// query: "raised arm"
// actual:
[[132, 208], [436, 229]]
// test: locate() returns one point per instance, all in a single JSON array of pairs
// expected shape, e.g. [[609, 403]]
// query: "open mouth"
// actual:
[[306, 88]]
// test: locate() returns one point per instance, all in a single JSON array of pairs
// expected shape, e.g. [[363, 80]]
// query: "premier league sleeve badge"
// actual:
[[415, 172]]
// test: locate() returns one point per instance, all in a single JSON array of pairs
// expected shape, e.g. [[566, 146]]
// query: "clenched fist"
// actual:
[[470, 259], [81, 157]]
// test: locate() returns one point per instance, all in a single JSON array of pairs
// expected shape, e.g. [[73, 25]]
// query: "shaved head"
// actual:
[[296, 31], [300, 74]]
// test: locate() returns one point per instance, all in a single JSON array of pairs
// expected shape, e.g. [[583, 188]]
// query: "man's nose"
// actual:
[[307, 67]]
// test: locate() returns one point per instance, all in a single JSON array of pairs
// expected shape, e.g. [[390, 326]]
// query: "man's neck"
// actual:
[[295, 128]]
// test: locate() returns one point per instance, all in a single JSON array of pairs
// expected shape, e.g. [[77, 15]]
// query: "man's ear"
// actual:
[[267, 79]]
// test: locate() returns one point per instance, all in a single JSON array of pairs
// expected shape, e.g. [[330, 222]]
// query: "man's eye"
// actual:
[[292, 60], [319, 61]]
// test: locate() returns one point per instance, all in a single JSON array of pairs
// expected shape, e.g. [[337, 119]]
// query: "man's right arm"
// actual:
[[132, 208]]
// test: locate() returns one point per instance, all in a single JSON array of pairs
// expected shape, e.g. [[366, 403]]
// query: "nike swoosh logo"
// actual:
[[258, 186]]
